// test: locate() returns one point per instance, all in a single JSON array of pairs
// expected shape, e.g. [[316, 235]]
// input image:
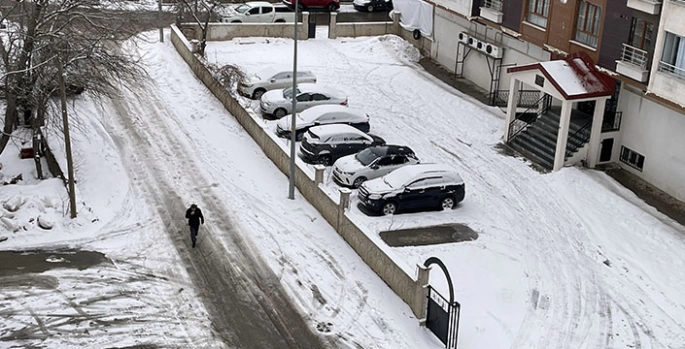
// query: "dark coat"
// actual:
[[194, 220]]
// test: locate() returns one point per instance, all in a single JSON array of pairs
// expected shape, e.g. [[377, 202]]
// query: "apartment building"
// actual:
[[638, 43]]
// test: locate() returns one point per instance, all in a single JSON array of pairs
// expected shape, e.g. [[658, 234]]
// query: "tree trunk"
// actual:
[[10, 120], [36, 124], [67, 142]]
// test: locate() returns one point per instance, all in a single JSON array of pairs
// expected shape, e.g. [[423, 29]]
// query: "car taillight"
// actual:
[[344, 103]]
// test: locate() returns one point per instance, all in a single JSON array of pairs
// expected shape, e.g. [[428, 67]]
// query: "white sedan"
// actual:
[[279, 102], [271, 78]]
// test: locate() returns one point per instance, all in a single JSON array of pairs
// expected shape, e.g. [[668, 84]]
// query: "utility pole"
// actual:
[[161, 21], [293, 119], [67, 140]]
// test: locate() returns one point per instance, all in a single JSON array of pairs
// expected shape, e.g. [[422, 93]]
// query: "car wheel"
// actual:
[[448, 203], [369, 8], [280, 21], [389, 208], [236, 22], [358, 182], [279, 113], [257, 94], [326, 160], [332, 7]]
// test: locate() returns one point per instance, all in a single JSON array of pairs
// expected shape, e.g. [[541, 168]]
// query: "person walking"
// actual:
[[195, 218]]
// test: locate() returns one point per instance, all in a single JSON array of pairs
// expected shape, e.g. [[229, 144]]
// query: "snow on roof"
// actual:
[[341, 111], [406, 174], [325, 131], [575, 77]]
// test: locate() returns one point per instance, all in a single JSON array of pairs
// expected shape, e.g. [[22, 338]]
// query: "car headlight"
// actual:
[[375, 196], [349, 173]]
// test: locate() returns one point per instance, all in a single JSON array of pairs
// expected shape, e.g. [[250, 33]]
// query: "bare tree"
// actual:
[[201, 15]]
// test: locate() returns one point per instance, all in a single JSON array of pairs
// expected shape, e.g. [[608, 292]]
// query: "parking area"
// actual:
[[555, 260]]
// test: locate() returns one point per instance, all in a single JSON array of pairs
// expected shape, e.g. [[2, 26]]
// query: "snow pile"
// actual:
[[401, 48], [26, 208]]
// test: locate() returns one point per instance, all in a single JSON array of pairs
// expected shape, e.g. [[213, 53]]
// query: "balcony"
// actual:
[[672, 70], [653, 7], [492, 10], [633, 63]]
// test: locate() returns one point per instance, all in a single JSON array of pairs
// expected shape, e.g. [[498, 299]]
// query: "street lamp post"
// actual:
[[293, 119]]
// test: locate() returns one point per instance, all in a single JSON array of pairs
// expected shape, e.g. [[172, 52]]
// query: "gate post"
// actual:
[[343, 205], [305, 25], [332, 25], [421, 294]]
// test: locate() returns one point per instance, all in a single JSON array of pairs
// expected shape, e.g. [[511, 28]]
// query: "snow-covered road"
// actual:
[[564, 260]]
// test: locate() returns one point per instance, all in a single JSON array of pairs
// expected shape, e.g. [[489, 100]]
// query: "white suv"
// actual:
[[271, 79], [370, 163]]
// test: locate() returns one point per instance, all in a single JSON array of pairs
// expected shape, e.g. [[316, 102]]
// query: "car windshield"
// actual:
[[265, 74], [242, 8], [288, 93], [366, 156]]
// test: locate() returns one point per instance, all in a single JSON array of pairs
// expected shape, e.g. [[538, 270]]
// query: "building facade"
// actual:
[[639, 43]]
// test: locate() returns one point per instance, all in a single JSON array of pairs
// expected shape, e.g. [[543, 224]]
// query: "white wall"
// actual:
[[462, 7], [663, 84], [448, 25], [656, 132]]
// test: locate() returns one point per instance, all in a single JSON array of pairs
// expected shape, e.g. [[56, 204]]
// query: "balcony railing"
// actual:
[[635, 56], [526, 99], [612, 121], [495, 5], [672, 69]]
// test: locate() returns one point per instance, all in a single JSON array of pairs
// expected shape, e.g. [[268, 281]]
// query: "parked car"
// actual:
[[325, 144], [279, 102], [322, 115], [271, 78], [372, 5], [370, 163], [418, 186], [254, 12], [330, 5]]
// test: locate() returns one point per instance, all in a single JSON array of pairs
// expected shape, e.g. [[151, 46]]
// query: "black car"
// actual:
[[372, 5], [327, 143], [413, 187]]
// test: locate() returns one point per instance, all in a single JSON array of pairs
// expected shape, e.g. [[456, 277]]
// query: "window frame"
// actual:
[[588, 24], [632, 158], [537, 12]]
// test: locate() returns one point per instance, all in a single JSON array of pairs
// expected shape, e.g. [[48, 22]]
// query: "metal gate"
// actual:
[[443, 318]]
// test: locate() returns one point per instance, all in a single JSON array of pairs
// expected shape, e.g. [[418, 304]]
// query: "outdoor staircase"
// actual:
[[537, 140]]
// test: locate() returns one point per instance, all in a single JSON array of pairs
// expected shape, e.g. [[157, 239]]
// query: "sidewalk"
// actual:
[[653, 196]]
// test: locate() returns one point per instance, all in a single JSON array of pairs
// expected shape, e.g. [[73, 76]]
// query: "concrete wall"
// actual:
[[355, 29], [410, 290], [656, 132], [229, 31], [663, 84]]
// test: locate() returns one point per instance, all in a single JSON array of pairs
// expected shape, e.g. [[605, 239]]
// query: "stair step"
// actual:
[[544, 140], [532, 157], [533, 146]]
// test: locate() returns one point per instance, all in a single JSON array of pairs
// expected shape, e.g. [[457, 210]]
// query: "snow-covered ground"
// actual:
[[564, 260]]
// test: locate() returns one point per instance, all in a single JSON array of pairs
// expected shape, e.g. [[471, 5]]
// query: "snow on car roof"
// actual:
[[258, 3], [342, 113], [320, 89], [407, 174], [325, 131]]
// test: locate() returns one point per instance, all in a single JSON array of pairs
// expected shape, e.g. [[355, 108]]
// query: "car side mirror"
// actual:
[[374, 166], [273, 80]]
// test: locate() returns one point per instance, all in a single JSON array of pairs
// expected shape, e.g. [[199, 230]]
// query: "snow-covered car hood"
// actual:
[[377, 186], [349, 164], [225, 11], [274, 96], [284, 123]]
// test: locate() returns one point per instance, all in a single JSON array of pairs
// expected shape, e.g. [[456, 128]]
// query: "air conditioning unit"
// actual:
[[464, 37], [473, 42], [492, 50]]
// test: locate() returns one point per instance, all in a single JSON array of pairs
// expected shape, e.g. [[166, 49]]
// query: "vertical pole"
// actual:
[[67, 141], [562, 136], [161, 21], [293, 119], [514, 92], [596, 133]]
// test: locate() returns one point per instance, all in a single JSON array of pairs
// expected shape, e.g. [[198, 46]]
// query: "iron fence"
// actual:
[[526, 98], [495, 5], [635, 56], [672, 69]]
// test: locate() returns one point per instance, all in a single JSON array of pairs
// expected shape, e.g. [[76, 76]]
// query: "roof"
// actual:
[[575, 77], [408, 173], [351, 114], [311, 87], [391, 149], [325, 131]]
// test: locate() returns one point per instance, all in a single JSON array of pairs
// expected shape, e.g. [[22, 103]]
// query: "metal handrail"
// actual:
[[544, 101], [526, 98], [578, 136], [635, 56], [672, 69], [493, 4]]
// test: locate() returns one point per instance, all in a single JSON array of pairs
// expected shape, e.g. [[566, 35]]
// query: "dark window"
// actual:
[[385, 161], [539, 80], [673, 57], [305, 97], [632, 158], [319, 97], [267, 9], [254, 11], [398, 160], [538, 11], [589, 20]]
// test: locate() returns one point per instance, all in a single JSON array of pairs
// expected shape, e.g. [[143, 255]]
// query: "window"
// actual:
[[385, 161], [495, 5], [673, 57], [305, 97], [632, 158], [589, 20], [267, 9], [281, 76], [398, 160], [538, 11], [319, 97], [254, 11], [641, 34]]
